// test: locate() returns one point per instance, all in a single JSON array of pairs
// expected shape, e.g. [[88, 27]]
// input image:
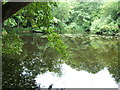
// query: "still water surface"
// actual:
[[92, 62]]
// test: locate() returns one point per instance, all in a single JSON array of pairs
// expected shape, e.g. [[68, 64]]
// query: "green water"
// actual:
[[26, 56]]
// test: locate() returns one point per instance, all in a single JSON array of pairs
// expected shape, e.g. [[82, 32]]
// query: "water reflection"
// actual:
[[77, 79], [33, 55], [94, 53]]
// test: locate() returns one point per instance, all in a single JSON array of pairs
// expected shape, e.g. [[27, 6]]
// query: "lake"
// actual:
[[91, 62]]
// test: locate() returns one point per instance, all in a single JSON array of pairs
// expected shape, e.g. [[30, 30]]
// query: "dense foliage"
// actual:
[[32, 42], [69, 17], [36, 15], [108, 21]]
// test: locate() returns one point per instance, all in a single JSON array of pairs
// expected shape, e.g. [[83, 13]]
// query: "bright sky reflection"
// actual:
[[77, 79]]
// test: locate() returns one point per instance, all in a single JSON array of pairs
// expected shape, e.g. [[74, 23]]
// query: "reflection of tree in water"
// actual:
[[40, 56], [93, 54], [33, 58], [22, 62], [11, 64]]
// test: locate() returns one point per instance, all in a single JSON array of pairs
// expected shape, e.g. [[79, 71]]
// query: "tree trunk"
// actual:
[[11, 8]]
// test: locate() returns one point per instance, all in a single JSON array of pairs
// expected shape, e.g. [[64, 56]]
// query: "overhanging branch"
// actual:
[[10, 8]]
